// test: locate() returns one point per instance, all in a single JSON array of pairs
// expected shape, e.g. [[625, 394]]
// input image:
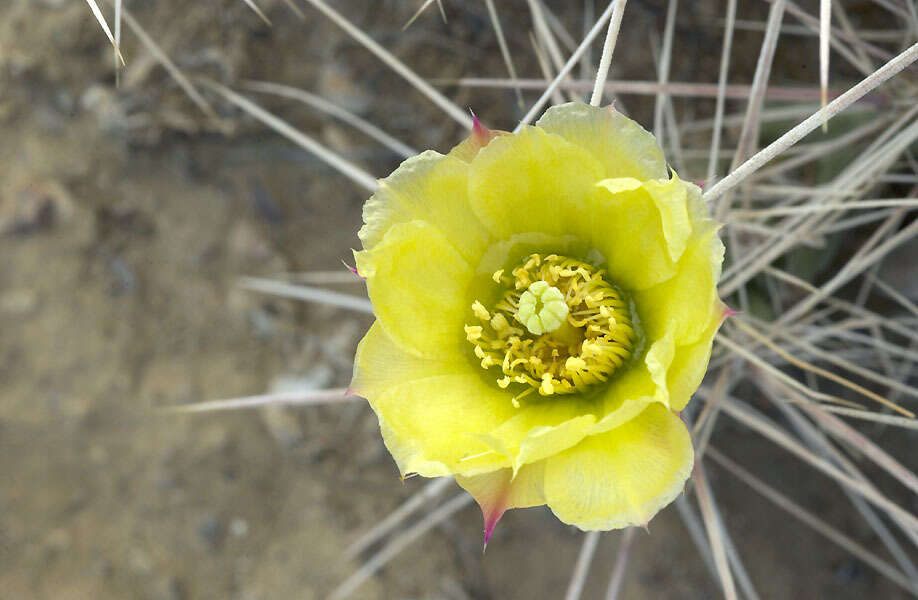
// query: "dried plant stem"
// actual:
[[812, 520], [646, 88], [334, 110], [304, 398], [395, 64], [868, 492], [400, 542], [568, 66], [117, 53], [717, 128], [818, 370], [825, 34], [307, 293], [621, 564], [353, 172], [608, 47], [547, 41], [713, 526], [504, 49], [430, 492], [578, 578], [842, 431], [97, 13], [666, 55], [251, 4], [170, 66], [797, 133]]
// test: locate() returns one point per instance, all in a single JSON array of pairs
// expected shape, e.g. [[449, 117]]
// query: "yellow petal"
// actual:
[[658, 360], [500, 490], [428, 187], [381, 364], [532, 182], [542, 428], [418, 284], [690, 363], [671, 198], [640, 384], [684, 304], [627, 228], [626, 396], [622, 477], [624, 148], [432, 425]]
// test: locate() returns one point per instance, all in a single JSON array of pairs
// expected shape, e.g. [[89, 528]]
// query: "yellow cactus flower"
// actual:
[[546, 303]]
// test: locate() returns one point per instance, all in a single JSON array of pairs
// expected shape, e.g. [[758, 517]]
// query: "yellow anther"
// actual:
[[480, 311], [575, 363], [497, 275], [546, 389], [473, 332], [499, 323]]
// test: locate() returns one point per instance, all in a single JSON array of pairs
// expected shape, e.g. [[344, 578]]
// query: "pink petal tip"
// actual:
[[478, 130], [491, 515], [353, 270]]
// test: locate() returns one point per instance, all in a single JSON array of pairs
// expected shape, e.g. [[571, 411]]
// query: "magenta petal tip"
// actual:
[[353, 270], [478, 129]]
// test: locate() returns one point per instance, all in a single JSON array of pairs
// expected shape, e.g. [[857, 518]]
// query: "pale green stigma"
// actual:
[[542, 308]]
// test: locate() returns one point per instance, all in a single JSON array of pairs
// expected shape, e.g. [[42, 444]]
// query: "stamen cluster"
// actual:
[[595, 338]]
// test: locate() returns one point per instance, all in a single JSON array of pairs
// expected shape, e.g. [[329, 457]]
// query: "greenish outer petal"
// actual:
[[622, 146], [533, 182], [428, 187], [418, 284], [685, 303], [626, 226], [430, 410]]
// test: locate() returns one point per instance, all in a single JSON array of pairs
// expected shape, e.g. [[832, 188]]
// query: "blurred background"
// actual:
[[127, 216]]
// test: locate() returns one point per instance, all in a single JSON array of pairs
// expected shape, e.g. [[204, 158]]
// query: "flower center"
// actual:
[[542, 308], [559, 328]]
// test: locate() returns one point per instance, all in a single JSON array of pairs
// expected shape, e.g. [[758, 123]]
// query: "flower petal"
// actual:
[[690, 363], [684, 304], [622, 477], [432, 426], [626, 226], [671, 198], [624, 148], [499, 491], [380, 364], [428, 187], [533, 182], [418, 284], [541, 429]]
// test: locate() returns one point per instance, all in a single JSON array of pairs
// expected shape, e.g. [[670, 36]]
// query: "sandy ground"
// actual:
[[125, 220]]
